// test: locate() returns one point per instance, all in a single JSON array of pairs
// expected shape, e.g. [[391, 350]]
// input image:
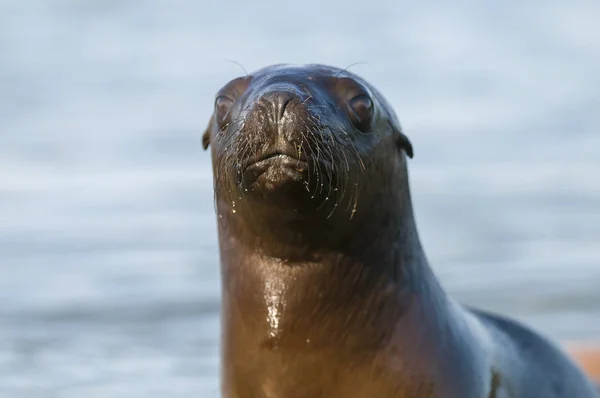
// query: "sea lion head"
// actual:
[[305, 145]]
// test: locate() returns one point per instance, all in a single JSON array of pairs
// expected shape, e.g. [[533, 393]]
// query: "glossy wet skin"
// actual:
[[327, 291], [300, 145]]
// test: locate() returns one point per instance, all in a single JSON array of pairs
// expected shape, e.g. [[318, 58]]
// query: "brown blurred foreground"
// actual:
[[588, 358]]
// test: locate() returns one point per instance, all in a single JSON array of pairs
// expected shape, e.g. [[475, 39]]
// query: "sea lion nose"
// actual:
[[277, 101], [279, 115]]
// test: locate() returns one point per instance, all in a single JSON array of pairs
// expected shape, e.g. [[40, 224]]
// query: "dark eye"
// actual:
[[361, 111], [222, 107]]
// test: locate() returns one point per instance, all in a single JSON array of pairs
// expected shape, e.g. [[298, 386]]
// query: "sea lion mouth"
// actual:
[[272, 157], [274, 170]]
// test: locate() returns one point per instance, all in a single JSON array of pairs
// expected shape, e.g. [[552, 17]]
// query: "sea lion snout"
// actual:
[[277, 126], [278, 120]]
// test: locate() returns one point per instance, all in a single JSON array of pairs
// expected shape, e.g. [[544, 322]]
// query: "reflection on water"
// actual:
[[109, 270]]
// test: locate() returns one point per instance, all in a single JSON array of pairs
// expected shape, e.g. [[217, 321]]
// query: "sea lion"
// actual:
[[326, 290]]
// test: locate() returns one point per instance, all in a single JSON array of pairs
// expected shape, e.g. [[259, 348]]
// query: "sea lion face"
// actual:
[[302, 137]]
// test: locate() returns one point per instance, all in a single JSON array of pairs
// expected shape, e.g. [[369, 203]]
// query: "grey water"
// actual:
[[109, 279]]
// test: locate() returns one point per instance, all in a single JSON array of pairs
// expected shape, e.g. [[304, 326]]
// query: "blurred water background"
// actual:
[[108, 254]]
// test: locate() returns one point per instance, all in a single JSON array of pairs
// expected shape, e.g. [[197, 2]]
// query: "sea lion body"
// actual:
[[326, 289]]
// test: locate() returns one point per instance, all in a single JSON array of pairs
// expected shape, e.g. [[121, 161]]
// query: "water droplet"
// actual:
[[327, 198], [233, 211], [335, 189]]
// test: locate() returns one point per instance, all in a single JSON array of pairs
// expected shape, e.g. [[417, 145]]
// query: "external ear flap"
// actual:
[[401, 139], [206, 139], [206, 135], [405, 144]]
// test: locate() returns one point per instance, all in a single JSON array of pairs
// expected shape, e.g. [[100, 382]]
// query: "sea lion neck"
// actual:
[[285, 301], [379, 261]]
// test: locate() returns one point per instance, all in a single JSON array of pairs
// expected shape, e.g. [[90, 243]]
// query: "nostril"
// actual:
[[282, 103]]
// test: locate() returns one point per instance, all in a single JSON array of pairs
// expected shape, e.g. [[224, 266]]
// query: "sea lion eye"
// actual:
[[223, 105], [361, 113]]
